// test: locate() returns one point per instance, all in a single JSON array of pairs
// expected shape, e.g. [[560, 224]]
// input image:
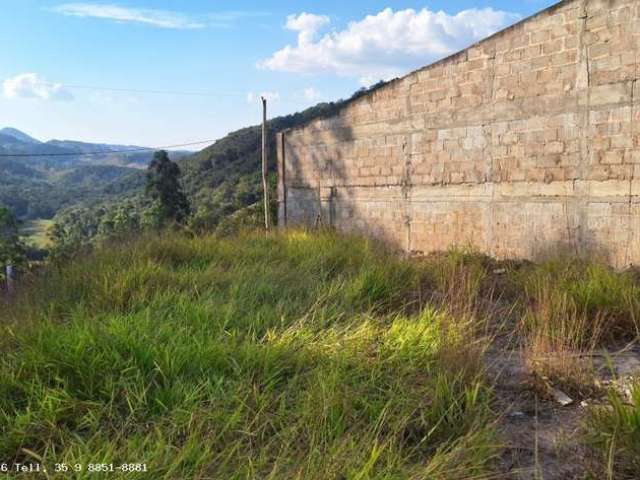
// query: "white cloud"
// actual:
[[307, 25], [226, 19], [156, 18], [30, 85], [311, 94], [384, 45], [153, 17], [270, 96]]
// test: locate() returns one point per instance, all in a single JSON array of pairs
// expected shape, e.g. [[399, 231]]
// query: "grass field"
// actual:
[[35, 233], [297, 356]]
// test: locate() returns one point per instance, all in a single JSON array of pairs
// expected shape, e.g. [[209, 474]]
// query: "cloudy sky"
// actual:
[[165, 72]]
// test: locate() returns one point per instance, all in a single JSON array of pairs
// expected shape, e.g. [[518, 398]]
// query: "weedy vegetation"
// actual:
[[293, 356], [574, 310], [297, 355], [614, 433], [574, 307]]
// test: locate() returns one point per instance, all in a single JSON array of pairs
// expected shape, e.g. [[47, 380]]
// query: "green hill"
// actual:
[[221, 180], [48, 177], [36, 193], [92, 176]]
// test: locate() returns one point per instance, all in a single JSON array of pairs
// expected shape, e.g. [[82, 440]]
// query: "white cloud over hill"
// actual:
[[383, 45]]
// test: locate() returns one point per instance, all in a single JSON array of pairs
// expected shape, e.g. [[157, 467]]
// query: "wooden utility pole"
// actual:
[[265, 168], [9, 279]]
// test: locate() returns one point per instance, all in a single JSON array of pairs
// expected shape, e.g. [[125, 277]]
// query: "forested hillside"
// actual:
[[221, 182], [33, 194], [38, 179]]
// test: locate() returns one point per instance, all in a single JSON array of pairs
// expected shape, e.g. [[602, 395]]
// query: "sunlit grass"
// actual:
[[303, 355], [36, 233], [293, 356]]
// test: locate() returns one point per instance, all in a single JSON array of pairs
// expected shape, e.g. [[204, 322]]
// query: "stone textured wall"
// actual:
[[525, 143]]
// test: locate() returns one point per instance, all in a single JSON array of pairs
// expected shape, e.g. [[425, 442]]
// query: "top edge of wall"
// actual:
[[453, 56]]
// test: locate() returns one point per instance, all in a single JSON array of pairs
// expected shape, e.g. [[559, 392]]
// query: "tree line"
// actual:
[[166, 205]]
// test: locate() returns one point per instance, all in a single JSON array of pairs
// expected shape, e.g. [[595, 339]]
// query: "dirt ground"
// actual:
[[542, 438]]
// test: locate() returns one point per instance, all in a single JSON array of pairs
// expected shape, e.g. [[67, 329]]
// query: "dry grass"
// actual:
[[569, 308], [558, 341]]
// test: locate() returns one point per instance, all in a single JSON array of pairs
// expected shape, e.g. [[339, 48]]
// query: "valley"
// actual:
[[93, 197], [41, 178]]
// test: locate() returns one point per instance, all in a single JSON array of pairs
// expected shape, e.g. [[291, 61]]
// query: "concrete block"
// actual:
[[493, 146]]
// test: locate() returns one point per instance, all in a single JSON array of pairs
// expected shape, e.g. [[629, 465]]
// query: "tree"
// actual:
[[163, 185], [12, 251]]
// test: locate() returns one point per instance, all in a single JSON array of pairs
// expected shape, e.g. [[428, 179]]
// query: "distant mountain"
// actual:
[[90, 176], [18, 135], [66, 153], [34, 193], [48, 176], [85, 147], [221, 179], [12, 145]]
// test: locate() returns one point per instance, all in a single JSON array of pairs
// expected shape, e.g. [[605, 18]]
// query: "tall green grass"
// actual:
[[614, 431], [590, 289], [569, 308], [293, 356]]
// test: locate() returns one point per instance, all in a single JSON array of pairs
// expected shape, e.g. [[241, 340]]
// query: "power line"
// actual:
[[159, 92], [103, 152], [279, 98]]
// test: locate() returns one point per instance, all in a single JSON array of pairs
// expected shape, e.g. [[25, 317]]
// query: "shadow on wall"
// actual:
[[590, 248], [330, 180], [566, 249], [314, 171]]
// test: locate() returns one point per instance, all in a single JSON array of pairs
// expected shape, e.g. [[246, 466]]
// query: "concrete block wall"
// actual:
[[524, 143]]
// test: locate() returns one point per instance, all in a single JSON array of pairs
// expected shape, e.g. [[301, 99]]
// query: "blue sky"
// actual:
[[297, 53]]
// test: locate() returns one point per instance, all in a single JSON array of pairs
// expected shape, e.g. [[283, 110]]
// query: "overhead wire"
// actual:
[[276, 97], [136, 90], [159, 92], [105, 152]]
